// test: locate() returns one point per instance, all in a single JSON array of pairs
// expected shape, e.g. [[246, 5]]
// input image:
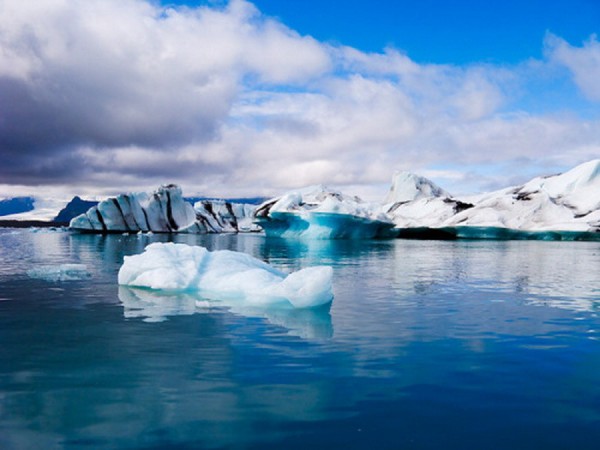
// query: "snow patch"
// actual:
[[407, 187]]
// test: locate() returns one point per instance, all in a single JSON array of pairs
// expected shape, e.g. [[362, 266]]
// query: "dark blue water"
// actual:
[[482, 345]]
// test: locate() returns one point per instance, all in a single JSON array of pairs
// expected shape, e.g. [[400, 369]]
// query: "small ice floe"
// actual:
[[60, 272], [225, 275]]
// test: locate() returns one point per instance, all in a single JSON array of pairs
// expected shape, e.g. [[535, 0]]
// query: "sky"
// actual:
[[240, 99]]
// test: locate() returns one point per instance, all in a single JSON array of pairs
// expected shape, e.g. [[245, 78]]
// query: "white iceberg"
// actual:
[[320, 213], [163, 211], [224, 275], [565, 206]]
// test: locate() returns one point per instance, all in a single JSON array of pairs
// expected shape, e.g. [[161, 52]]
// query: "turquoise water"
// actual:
[[427, 345]]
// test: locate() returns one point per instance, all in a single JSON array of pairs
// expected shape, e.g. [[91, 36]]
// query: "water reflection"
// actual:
[[60, 272], [296, 253], [555, 274], [455, 337], [154, 306]]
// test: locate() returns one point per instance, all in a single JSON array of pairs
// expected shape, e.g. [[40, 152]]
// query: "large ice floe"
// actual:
[[164, 211], [322, 213], [224, 275], [565, 206]]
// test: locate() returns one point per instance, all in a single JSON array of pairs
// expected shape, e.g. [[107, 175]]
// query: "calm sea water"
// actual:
[[427, 345]]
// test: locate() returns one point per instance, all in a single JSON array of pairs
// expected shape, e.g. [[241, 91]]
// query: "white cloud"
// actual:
[[583, 62], [121, 72], [113, 95]]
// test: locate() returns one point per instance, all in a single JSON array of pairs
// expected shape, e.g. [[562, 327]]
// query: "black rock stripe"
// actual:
[[234, 222], [204, 221], [101, 220], [128, 199], [161, 205], [170, 218], [116, 203], [209, 208], [146, 219]]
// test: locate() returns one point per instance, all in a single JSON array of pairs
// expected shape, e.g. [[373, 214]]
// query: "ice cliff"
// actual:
[[164, 211]]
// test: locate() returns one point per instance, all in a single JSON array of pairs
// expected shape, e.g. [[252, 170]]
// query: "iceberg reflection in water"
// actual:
[[157, 306]]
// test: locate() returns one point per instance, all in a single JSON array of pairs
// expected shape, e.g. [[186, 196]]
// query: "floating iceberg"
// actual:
[[559, 207], [163, 211], [321, 213], [224, 275]]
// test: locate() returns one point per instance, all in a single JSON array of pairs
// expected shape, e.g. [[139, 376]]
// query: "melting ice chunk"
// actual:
[[224, 275]]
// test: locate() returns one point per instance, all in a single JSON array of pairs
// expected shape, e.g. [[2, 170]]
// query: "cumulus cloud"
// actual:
[[106, 95], [582, 62], [106, 74]]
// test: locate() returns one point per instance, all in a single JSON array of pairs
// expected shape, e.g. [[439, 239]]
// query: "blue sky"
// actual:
[[436, 31], [240, 98]]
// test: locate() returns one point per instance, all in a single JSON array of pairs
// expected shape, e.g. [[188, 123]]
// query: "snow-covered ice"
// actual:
[[318, 212], [407, 187], [225, 275], [44, 209], [564, 206]]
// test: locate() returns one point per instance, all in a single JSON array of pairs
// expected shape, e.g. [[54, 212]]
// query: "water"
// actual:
[[427, 345]]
